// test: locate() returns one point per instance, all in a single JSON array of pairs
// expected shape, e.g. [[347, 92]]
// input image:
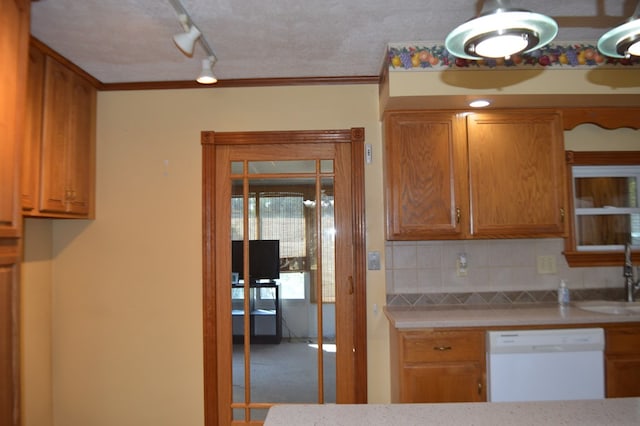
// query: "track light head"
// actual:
[[186, 41], [206, 75]]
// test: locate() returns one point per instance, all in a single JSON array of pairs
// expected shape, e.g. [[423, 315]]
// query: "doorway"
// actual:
[[294, 200]]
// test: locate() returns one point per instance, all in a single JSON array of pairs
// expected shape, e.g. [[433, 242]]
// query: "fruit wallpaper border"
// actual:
[[426, 56]]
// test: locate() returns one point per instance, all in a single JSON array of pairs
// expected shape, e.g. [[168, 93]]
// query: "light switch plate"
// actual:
[[373, 261]]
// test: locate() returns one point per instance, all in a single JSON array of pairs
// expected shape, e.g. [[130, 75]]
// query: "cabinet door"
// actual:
[[517, 174], [425, 176], [452, 382], [623, 377], [14, 33], [55, 161], [623, 362], [33, 130], [81, 147], [67, 142]]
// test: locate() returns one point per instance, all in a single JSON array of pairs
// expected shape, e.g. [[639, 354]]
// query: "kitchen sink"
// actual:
[[610, 307]]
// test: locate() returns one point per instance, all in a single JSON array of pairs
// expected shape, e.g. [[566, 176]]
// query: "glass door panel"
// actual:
[[283, 345]]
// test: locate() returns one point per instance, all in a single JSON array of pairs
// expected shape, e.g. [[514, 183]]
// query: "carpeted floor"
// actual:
[[286, 372]]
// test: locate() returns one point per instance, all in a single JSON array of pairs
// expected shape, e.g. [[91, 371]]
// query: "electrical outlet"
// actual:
[[461, 271], [546, 264], [462, 264]]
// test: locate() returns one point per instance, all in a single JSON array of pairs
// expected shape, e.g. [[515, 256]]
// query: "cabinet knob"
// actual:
[[458, 214], [442, 348]]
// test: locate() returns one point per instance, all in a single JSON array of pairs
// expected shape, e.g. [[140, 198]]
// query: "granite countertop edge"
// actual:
[[402, 317]]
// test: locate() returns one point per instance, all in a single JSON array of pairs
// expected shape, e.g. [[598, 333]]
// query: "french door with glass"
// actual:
[[283, 301]]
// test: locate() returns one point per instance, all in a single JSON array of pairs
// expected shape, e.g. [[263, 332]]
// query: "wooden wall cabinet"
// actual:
[[443, 365], [59, 156], [622, 362], [453, 175], [14, 39]]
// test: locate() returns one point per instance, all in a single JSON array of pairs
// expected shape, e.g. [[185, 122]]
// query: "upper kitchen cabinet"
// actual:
[[454, 175], [59, 157], [425, 165], [516, 174]]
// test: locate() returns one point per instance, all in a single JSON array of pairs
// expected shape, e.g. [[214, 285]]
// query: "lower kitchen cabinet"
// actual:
[[441, 365], [449, 365], [622, 365]]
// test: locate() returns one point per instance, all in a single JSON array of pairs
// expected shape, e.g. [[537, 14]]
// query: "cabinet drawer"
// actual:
[[623, 341], [443, 346]]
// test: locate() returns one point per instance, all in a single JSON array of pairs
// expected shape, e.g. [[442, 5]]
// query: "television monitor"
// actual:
[[264, 259]]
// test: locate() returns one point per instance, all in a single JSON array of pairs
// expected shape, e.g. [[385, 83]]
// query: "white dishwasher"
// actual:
[[545, 365]]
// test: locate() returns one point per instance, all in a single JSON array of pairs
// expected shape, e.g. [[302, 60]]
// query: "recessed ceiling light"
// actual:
[[479, 103]]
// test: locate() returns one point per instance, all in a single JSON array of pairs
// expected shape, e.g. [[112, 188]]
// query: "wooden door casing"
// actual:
[[217, 356]]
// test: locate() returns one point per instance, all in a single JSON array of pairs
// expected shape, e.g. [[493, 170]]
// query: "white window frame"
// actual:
[[605, 171]]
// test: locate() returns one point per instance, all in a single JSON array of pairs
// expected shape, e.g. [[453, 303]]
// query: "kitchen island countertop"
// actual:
[[614, 412]]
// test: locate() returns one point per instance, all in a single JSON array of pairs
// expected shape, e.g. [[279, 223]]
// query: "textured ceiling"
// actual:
[[119, 41]]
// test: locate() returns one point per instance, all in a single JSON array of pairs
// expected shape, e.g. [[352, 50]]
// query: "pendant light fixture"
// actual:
[[622, 41], [501, 31]]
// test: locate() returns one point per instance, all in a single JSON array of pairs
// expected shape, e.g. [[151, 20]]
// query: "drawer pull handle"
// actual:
[[442, 348]]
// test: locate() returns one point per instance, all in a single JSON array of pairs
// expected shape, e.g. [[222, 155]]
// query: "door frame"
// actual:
[[209, 141]]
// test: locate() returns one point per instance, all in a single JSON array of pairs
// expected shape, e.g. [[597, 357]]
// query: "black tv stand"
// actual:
[[265, 322]]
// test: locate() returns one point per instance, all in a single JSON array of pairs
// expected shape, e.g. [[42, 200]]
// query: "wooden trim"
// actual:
[[359, 242], [605, 117], [212, 141], [209, 312], [35, 43], [278, 137], [241, 82], [603, 158]]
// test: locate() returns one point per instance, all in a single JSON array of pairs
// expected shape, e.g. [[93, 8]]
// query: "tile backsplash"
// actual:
[[498, 266]]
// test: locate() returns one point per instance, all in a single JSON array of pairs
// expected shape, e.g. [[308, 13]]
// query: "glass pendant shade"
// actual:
[[501, 32], [622, 41]]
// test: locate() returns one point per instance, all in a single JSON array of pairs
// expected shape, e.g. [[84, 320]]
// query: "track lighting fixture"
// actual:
[[186, 43], [500, 31], [206, 75], [622, 41]]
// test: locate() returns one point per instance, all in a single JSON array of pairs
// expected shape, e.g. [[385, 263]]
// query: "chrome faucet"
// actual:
[[630, 285]]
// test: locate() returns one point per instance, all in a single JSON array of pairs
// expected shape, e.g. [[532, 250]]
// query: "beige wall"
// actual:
[[36, 274], [126, 288]]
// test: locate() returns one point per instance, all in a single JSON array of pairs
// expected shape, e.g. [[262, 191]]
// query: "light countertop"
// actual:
[[613, 412], [498, 315]]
